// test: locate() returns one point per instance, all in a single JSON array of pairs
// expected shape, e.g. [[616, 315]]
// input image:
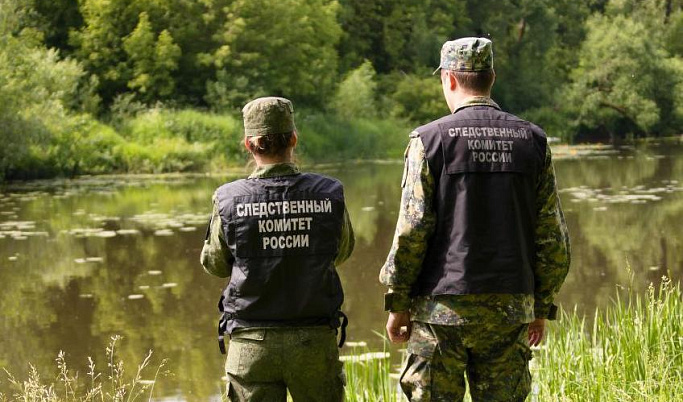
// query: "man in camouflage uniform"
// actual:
[[277, 237], [481, 245]]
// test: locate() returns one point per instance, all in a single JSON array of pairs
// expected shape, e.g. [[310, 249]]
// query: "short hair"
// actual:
[[270, 145], [475, 81]]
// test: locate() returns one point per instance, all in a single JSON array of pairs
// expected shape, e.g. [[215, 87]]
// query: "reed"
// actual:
[[109, 385], [370, 375], [631, 351]]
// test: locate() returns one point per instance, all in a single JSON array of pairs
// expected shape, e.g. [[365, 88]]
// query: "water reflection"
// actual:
[[83, 260]]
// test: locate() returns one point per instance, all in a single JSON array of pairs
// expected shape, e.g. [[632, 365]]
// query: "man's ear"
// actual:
[[294, 139], [453, 83], [246, 143]]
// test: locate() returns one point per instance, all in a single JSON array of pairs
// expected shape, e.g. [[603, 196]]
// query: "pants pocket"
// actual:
[[248, 354], [524, 383], [416, 379]]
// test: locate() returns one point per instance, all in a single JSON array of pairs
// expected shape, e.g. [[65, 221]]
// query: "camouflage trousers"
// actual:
[[495, 359], [263, 363]]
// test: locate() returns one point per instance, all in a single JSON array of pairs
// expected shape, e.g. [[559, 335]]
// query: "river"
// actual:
[[83, 260]]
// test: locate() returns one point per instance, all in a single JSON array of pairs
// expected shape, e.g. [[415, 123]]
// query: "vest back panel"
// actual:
[[284, 234], [486, 164]]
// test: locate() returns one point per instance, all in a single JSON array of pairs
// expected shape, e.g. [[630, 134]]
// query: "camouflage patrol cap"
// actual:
[[467, 54], [269, 115]]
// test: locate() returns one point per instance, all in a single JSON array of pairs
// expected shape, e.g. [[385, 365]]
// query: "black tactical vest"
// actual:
[[486, 165], [284, 234]]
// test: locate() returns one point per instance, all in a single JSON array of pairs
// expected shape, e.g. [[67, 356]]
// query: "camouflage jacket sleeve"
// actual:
[[416, 222], [552, 243], [216, 257], [347, 241]]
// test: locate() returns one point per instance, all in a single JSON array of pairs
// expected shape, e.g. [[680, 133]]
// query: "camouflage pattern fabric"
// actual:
[[553, 250], [269, 115], [216, 257], [507, 309], [416, 223], [467, 54], [477, 101], [263, 363], [497, 365]]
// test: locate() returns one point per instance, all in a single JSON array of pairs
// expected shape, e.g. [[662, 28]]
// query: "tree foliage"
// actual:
[[626, 83], [398, 35], [355, 97], [154, 60], [284, 48], [419, 99], [35, 88], [586, 69]]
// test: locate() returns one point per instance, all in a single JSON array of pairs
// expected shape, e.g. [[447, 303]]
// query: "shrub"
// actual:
[[325, 138], [355, 97], [418, 99], [164, 155], [80, 144]]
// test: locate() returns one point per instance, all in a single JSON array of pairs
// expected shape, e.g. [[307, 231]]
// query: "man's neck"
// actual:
[[459, 97], [263, 160]]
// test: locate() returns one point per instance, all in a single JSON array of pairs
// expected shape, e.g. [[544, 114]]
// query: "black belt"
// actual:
[[334, 323]]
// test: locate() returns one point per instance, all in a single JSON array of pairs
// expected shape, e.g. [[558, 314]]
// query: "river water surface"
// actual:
[[83, 260]]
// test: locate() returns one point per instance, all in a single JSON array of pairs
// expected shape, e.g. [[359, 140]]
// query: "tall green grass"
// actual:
[[330, 138], [631, 352], [370, 375]]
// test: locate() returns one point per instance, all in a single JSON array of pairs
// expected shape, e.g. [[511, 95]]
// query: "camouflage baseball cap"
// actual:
[[467, 54], [269, 115]]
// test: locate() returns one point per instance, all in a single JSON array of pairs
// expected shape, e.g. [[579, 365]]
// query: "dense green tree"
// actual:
[[418, 98], [523, 33], [625, 83], [398, 34], [55, 19], [673, 42], [196, 27], [99, 43], [355, 97], [35, 89], [180, 63], [284, 47], [154, 60]]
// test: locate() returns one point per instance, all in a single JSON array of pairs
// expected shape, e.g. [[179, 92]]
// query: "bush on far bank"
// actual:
[[164, 140]]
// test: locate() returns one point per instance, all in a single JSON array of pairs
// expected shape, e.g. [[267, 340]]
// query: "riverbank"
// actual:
[[632, 350], [156, 141], [163, 140]]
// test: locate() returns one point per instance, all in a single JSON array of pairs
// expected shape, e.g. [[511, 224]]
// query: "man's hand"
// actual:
[[399, 326], [536, 331]]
